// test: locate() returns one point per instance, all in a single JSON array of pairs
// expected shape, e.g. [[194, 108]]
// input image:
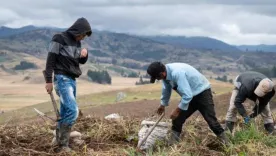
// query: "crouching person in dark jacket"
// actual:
[[256, 87], [65, 55], [195, 92]]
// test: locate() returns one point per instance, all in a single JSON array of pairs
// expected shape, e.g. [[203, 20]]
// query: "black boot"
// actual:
[[174, 137], [269, 127], [224, 139], [63, 139], [229, 126]]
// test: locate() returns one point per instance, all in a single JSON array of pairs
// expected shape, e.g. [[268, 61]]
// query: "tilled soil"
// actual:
[[146, 108], [105, 137]]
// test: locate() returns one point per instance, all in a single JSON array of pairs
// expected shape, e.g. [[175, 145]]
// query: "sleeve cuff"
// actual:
[[164, 104], [49, 80], [183, 106]]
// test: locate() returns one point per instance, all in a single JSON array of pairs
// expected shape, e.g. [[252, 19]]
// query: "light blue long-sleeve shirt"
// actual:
[[189, 82]]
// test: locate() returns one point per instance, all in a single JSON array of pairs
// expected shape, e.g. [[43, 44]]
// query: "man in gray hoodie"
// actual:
[[256, 87], [65, 55]]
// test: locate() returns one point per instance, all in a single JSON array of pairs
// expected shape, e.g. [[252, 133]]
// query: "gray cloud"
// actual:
[[235, 22]]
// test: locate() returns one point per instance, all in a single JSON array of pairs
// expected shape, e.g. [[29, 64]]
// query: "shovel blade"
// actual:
[[39, 112]]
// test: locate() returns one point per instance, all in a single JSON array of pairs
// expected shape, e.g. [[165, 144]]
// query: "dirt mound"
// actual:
[[35, 139], [102, 137], [105, 138]]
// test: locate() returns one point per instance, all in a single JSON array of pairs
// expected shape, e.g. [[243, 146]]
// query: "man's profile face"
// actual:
[[80, 37], [161, 76]]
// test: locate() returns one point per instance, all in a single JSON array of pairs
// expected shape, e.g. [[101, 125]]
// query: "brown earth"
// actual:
[[146, 108], [104, 137], [101, 137]]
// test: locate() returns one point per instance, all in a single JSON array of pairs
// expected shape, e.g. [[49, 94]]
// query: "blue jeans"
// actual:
[[66, 89]]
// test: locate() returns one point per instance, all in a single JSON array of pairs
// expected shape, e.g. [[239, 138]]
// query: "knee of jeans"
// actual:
[[71, 117], [77, 113], [74, 113]]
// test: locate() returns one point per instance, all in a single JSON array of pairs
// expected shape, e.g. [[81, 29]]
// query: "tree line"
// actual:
[[269, 72], [25, 65], [101, 77]]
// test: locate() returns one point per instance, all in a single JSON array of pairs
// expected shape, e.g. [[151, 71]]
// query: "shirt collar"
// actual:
[[168, 71]]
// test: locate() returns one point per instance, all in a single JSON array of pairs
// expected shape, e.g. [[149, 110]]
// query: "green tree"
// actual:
[[101, 77], [273, 71], [133, 74], [25, 65], [114, 61], [224, 78]]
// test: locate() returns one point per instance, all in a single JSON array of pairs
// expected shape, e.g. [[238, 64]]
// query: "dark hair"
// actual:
[[89, 33], [155, 69]]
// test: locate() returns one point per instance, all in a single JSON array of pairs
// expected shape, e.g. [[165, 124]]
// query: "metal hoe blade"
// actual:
[[43, 115]]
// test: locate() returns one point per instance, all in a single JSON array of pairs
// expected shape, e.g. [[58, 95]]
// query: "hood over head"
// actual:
[[80, 27]]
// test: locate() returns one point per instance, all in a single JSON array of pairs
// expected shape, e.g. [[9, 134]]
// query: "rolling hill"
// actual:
[[257, 48], [137, 52], [199, 42], [6, 31]]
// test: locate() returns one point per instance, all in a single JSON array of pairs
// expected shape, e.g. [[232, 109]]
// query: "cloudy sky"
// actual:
[[236, 22]]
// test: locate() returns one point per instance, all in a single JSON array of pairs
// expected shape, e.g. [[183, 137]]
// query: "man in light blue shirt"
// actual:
[[195, 93]]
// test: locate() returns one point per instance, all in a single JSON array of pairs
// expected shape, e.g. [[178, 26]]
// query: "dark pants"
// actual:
[[203, 102]]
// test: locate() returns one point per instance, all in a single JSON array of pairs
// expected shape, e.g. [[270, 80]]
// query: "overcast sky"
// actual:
[[236, 22]]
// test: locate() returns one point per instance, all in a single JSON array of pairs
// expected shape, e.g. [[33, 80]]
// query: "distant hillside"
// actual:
[[137, 52], [258, 48], [33, 42], [6, 31], [203, 43]]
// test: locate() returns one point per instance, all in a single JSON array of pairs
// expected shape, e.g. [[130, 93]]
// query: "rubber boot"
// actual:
[[269, 127], [229, 126], [224, 139], [63, 141], [174, 137], [56, 137]]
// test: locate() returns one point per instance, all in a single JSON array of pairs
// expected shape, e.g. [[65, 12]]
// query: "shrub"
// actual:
[[25, 65], [101, 77]]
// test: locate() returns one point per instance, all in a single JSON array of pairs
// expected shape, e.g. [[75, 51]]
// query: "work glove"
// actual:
[[246, 119]]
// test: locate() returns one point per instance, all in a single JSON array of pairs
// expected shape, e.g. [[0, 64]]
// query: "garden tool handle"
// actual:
[[52, 99], [152, 128]]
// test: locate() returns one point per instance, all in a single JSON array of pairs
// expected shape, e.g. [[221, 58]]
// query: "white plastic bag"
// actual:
[[158, 133], [113, 116]]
